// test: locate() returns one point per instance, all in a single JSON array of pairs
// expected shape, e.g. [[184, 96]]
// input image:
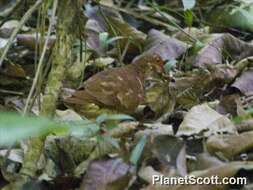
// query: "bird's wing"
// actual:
[[118, 87]]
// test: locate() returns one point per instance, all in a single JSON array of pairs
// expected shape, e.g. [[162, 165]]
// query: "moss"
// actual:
[[61, 54]]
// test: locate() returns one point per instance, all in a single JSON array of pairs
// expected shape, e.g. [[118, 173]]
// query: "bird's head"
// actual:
[[149, 65]]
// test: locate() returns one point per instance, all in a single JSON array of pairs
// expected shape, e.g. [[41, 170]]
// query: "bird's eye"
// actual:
[[148, 84]]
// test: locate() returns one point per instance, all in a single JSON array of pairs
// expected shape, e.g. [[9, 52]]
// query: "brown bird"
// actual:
[[116, 90]]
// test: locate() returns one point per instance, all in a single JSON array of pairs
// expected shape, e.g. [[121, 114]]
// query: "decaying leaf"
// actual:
[[68, 115], [220, 46], [191, 88], [191, 93], [245, 125], [203, 119], [13, 70], [66, 153], [13, 75], [31, 40], [229, 146], [245, 82], [154, 130], [230, 104], [3, 42], [204, 161], [93, 29], [166, 47], [8, 27], [131, 36], [107, 174], [6, 7], [170, 151], [147, 173]]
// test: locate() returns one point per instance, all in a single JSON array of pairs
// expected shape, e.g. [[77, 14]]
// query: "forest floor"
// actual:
[[113, 95]]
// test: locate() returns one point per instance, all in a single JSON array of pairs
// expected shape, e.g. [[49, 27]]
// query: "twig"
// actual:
[[192, 38], [140, 16], [125, 51], [113, 31], [27, 15], [177, 26], [11, 92], [41, 58]]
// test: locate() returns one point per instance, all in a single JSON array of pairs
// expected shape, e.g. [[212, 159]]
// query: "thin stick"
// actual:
[[141, 16], [11, 92], [174, 23], [27, 15], [125, 51], [41, 58]]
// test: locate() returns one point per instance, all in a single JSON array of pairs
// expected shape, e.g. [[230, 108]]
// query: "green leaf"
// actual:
[[239, 17], [169, 65], [115, 117], [188, 17], [14, 127], [188, 4], [83, 128], [198, 45], [248, 115], [111, 40], [103, 40], [136, 154]]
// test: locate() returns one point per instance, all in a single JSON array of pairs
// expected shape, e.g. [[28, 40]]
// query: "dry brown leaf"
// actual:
[[245, 82], [107, 174], [223, 45], [165, 46], [230, 145], [203, 119]]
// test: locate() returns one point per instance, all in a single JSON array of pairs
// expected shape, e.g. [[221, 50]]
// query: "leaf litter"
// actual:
[[193, 119]]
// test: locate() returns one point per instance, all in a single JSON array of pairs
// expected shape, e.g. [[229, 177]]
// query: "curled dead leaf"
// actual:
[[221, 45], [203, 119], [107, 174]]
